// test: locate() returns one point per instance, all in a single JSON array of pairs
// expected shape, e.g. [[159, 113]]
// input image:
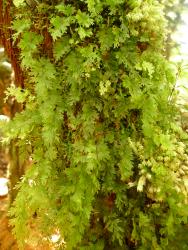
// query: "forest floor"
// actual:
[[7, 241]]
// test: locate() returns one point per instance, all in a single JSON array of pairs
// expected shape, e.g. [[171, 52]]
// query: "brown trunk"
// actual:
[[12, 51], [16, 170], [6, 40]]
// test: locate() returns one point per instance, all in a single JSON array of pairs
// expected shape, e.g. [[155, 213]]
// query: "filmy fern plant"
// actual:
[[108, 162]]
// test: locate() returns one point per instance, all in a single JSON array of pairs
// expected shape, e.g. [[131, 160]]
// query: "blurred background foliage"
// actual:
[[173, 10], [176, 51]]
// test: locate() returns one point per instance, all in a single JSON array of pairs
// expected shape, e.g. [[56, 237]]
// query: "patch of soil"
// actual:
[[7, 241]]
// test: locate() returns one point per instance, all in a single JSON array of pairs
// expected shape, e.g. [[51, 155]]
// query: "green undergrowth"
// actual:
[[108, 160]]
